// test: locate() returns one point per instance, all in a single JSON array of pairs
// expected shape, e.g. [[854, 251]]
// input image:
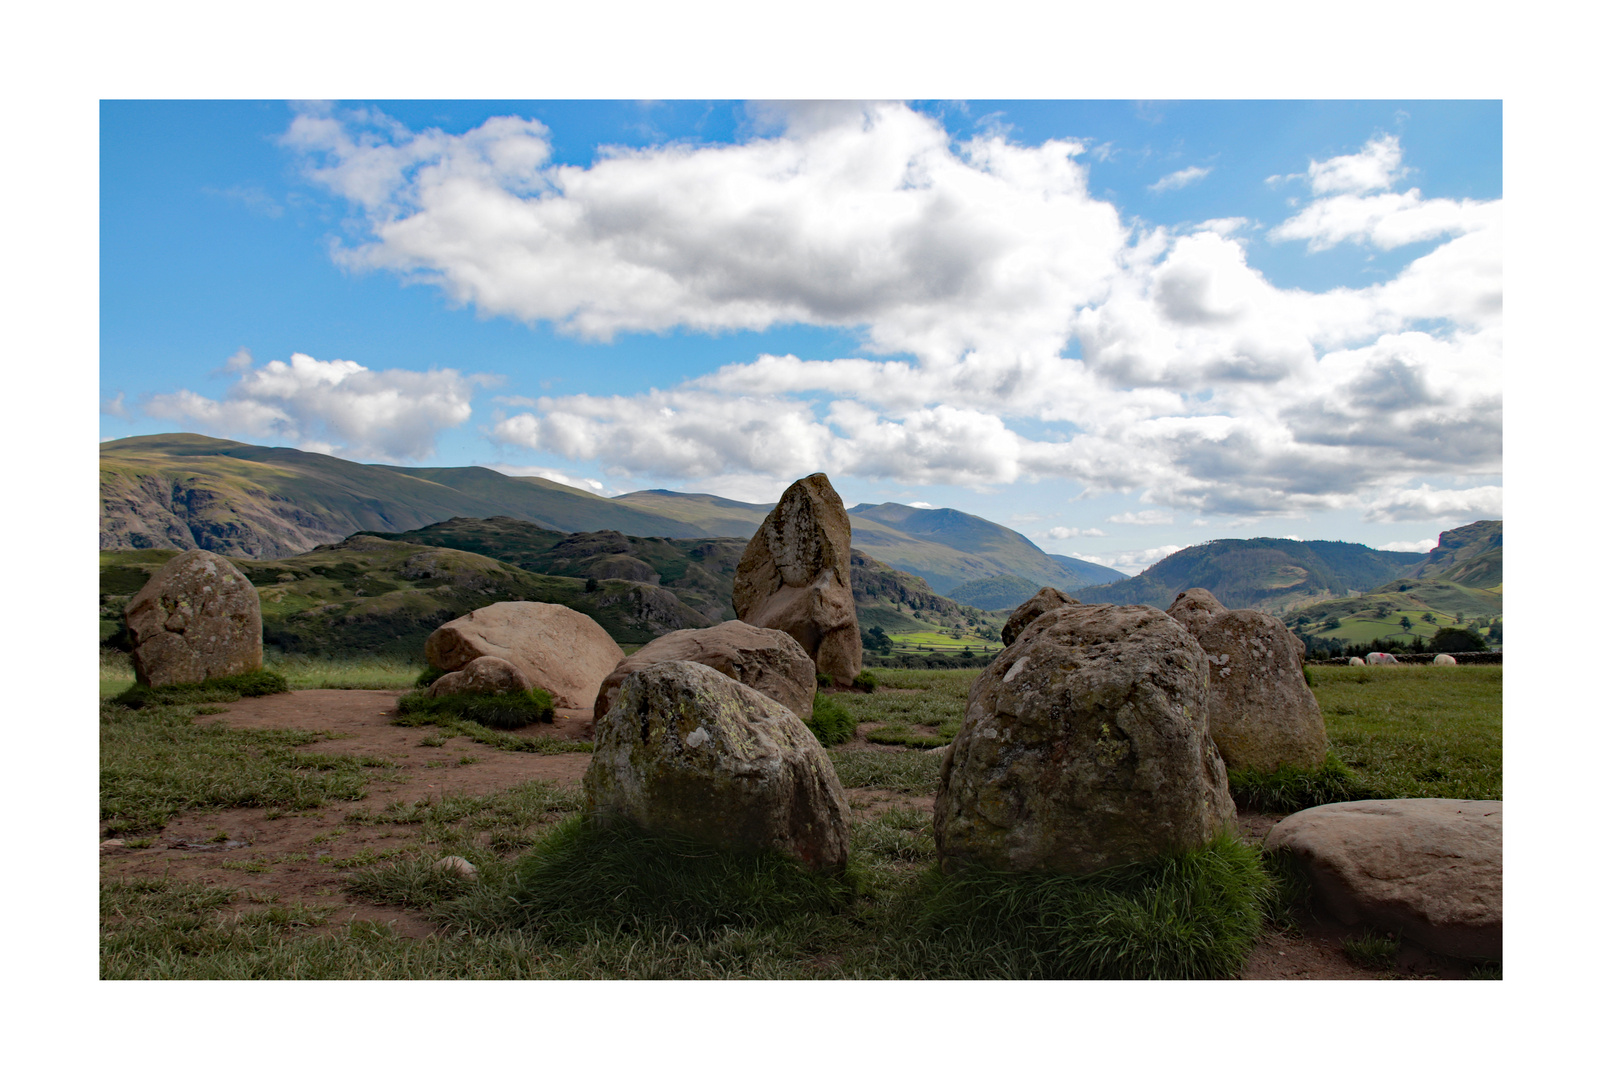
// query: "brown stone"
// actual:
[[687, 750], [197, 618], [558, 649], [1031, 609], [1260, 711], [1429, 869], [1194, 608], [486, 675], [1084, 746], [795, 576], [768, 661]]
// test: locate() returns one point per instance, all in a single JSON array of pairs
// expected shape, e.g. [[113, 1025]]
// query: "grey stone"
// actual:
[[485, 675], [1031, 609], [768, 661], [1085, 746], [687, 750], [197, 618], [1195, 608], [1429, 869], [1260, 711]]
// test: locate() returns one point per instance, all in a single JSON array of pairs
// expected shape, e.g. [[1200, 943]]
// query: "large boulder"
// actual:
[[1031, 609], [1429, 869], [196, 618], [687, 750], [486, 675], [1195, 608], [558, 649], [1259, 709], [1085, 746], [795, 576], [770, 662]]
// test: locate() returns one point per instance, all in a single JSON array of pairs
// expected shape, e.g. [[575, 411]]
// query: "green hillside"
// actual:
[[1270, 574], [1000, 593], [1471, 555]]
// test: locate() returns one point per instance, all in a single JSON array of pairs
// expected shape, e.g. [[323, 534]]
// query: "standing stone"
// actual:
[[1260, 711], [1429, 869], [1195, 608], [1030, 610], [486, 675], [1085, 746], [196, 618], [558, 649], [795, 576], [687, 750], [770, 662], [1443, 660]]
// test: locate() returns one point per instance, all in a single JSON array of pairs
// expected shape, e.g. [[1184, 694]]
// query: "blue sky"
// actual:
[[1118, 327]]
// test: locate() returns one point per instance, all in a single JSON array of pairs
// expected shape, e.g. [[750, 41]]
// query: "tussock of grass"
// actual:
[[369, 671], [1191, 916], [1376, 952], [502, 712], [1290, 788], [225, 688], [915, 774], [831, 722], [589, 875]]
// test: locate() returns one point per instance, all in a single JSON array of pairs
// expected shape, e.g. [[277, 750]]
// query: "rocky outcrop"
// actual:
[[658, 608], [1031, 609], [1194, 608], [196, 618], [770, 662], [1429, 869], [687, 750], [795, 576], [558, 649], [486, 675], [1084, 746], [1260, 711]]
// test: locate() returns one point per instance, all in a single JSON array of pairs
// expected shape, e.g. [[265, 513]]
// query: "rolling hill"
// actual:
[[189, 491], [1270, 574]]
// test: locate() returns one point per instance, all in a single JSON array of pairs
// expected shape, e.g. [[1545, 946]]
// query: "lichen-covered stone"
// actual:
[[1194, 608], [1031, 609], [687, 750], [197, 618], [1429, 869], [558, 649], [486, 675], [768, 661], [795, 576], [1260, 711], [1084, 746]]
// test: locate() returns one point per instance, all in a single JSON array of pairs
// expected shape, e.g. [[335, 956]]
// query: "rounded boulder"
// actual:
[[1260, 711], [1031, 609], [486, 675], [556, 648], [197, 618], [769, 661], [1085, 746], [1195, 608]]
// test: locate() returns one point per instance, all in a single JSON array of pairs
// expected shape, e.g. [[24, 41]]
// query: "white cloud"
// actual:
[[336, 406], [1143, 517], [1425, 545], [1131, 562], [922, 505], [1182, 178], [115, 406], [582, 483], [1425, 503], [1063, 532], [1143, 362], [1376, 167]]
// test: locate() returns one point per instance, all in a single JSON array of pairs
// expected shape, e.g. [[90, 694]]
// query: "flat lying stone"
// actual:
[[1429, 869]]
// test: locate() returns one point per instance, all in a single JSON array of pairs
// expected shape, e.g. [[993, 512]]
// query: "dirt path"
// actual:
[[288, 857]]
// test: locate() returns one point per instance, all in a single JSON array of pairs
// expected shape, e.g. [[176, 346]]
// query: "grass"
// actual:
[[371, 672], [157, 762], [928, 716], [503, 712], [223, 688], [449, 724], [831, 722], [1290, 788], [1376, 952], [914, 774]]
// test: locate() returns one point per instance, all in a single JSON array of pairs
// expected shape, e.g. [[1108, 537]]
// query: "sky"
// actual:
[[1120, 328]]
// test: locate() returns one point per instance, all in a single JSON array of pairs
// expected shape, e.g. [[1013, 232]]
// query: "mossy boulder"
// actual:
[[687, 750], [768, 661]]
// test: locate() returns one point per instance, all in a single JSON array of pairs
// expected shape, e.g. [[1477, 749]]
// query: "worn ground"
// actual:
[[287, 857]]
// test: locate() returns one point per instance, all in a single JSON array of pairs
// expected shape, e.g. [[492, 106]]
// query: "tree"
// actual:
[[1456, 639], [1407, 624], [591, 585]]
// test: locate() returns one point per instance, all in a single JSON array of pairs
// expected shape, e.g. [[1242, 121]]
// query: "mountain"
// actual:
[[949, 548], [1269, 574], [1469, 556], [189, 491], [1090, 573], [1000, 593]]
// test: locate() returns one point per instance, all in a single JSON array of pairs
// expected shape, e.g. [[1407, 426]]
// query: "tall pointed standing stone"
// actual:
[[795, 576]]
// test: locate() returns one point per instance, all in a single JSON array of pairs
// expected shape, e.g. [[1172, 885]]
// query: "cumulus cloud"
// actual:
[[1426, 503], [582, 483], [1425, 545], [1182, 178], [335, 406], [1064, 532], [1143, 517], [1130, 562], [1147, 361], [116, 405]]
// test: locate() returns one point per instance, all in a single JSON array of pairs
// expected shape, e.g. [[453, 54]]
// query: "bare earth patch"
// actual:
[[286, 857]]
